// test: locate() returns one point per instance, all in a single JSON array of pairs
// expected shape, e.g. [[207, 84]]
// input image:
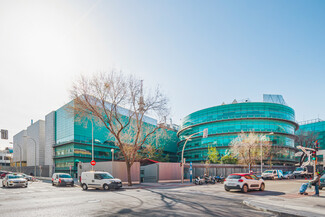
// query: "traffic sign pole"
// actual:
[[191, 176]]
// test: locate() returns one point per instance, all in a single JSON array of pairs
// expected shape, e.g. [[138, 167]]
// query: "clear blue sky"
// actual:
[[201, 53]]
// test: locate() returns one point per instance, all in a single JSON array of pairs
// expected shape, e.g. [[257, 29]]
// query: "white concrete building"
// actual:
[[33, 144], [49, 140], [20, 147], [5, 157]]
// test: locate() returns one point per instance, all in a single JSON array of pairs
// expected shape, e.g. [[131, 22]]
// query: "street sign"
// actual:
[[4, 134], [93, 163]]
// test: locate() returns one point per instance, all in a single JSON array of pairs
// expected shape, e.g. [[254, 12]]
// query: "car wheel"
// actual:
[[3, 185], [84, 187], [227, 189], [262, 187], [244, 189], [106, 187], [72, 184], [320, 188]]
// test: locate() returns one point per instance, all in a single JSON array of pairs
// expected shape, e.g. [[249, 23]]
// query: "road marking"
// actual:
[[93, 201]]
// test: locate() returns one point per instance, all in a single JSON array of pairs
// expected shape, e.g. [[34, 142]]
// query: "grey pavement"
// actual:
[[43, 199], [159, 199], [291, 203]]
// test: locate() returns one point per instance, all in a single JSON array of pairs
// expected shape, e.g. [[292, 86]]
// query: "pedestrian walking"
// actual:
[[316, 182]]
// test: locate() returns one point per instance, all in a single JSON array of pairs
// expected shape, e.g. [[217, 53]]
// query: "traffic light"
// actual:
[[316, 145], [314, 155]]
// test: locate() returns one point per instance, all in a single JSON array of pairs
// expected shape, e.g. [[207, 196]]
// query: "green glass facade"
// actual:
[[73, 141], [319, 129], [225, 122]]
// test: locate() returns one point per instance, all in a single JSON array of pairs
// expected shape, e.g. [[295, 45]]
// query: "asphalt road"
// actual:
[[43, 199]]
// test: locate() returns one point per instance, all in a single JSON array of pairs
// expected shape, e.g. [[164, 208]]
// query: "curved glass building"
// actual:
[[225, 122]]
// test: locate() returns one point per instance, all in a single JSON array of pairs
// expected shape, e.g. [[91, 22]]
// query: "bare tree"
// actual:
[[247, 148], [119, 103]]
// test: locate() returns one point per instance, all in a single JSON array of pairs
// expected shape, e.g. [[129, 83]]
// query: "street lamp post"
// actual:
[[35, 152], [92, 142], [112, 150], [205, 134], [262, 152], [19, 156]]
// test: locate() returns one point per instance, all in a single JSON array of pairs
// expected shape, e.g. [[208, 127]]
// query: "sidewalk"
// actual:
[[157, 185], [290, 204]]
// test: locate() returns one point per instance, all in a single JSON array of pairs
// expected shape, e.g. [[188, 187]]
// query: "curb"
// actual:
[[276, 210]]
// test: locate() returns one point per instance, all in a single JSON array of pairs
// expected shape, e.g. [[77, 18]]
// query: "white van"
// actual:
[[103, 180]]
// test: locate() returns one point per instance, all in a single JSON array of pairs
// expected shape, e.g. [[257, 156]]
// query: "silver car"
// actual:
[[14, 180]]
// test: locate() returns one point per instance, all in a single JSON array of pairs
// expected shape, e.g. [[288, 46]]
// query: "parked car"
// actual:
[[27, 177], [102, 180], [322, 182], [14, 180], [244, 182], [272, 174], [3, 174], [288, 175], [62, 179]]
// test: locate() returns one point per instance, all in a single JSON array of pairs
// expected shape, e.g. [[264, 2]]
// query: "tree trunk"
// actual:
[[128, 168]]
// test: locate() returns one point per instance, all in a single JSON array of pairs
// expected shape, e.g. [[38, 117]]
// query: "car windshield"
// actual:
[[15, 177], [268, 171], [286, 172], [323, 177], [234, 177], [104, 176], [64, 176], [299, 169]]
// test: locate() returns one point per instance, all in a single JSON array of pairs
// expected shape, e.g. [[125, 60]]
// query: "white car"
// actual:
[[14, 180], [244, 182], [272, 174], [62, 179], [102, 180]]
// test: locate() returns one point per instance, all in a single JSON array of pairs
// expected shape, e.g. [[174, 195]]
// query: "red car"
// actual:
[[3, 174]]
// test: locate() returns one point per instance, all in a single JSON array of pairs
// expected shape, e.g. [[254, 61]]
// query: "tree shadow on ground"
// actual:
[[183, 204], [260, 193]]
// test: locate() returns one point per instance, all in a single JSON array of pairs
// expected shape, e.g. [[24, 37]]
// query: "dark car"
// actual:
[[322, 182]]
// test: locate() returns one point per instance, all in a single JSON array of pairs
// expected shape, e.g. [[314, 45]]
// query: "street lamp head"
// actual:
[[112, 150]]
